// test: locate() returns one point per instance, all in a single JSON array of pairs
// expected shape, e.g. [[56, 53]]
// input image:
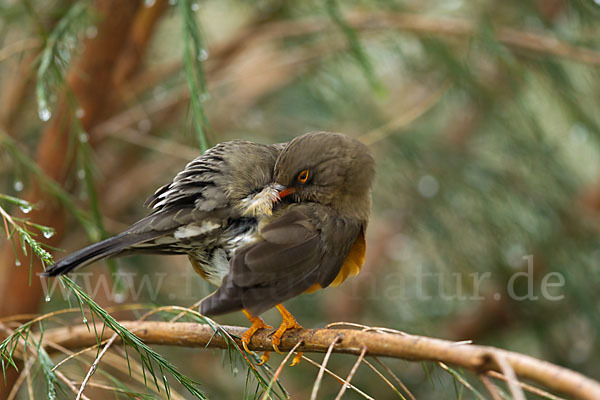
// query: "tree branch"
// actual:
[[443, 27], [378, 343]]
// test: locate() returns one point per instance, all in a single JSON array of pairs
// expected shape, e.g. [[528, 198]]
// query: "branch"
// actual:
[[443, 27], [378, 343]]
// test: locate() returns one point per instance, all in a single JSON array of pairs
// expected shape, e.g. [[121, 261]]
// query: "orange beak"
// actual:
[[284, 191]]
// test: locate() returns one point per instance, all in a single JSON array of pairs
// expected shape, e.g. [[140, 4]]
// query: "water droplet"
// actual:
[[149, 3], [48, 233], [81, 174], [44, 113], [578, 132], [79, 113], [84, 320], [428, 186], [91, 32], [17, 263], [18, 186], [195, 7], [120, 297], [203, 55], [235, 370], [513, 254], [63, 53], [47, 298], [26, 209], [83, 137]]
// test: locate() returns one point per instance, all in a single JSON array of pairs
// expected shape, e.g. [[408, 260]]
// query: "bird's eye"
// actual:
[[303, 176]]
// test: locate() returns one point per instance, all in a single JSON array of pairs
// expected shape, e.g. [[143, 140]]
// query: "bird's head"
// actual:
[[328, 168]]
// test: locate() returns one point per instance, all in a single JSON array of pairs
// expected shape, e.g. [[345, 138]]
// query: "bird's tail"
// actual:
[[104, 249]]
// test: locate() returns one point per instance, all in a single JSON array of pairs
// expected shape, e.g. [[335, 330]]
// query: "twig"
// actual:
[[339, 378], [215, 327], [428, 25], [279, 369], [402, 385], [116, 361], [182, 314], [532, 389], [414, 23], [410, 347], [386, 380], [167, 147], [26, 374], [459, 378], [22, 376], [406, 118], [95, 365], [364, 328], [115, 389], [351, 374], [491, 388], [313, 395], [513, 383], [20, 46], [80, 352], [28, 379], [70, 384], [7, 220]]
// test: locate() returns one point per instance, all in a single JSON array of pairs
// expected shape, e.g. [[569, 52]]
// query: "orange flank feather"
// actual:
[[199, 270], [313, 288], [354, 262]]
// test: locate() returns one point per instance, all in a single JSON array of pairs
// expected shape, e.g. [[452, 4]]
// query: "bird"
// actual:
[[314, 239], [262, 223]]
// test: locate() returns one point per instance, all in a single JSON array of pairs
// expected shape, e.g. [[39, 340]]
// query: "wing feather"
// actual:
[[296, 252]]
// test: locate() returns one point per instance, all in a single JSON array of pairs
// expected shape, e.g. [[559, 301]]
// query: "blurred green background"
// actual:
[[483, 117]]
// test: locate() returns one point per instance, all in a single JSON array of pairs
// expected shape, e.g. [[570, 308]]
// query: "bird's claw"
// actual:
[[288, 322], [297, 359], [257, 323], [276, 346], [245, 346], [264, 358]]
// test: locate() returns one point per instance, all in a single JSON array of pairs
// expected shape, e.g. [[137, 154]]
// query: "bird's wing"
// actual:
[[197, 202], [298, 250], [201, 185], [211, 186]]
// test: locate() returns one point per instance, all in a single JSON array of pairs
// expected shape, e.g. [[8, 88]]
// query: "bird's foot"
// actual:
[[288, 322], [257, 323]]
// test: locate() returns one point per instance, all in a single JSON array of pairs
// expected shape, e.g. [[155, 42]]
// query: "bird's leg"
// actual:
[[257, 323], [288, 322]]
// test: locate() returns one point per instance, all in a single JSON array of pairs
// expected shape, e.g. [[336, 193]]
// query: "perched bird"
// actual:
[[206, 212], [264, 223], [314, 239]]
